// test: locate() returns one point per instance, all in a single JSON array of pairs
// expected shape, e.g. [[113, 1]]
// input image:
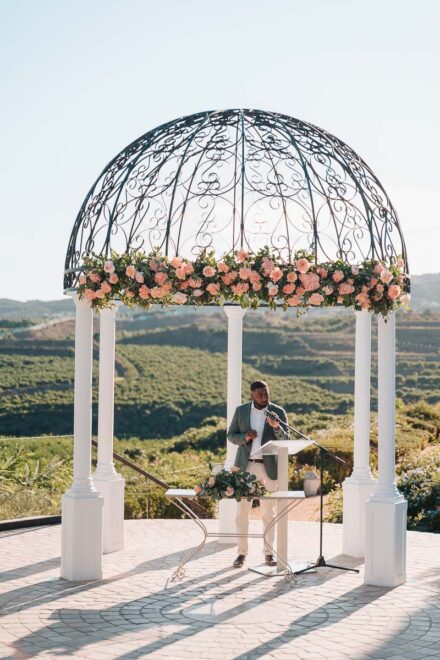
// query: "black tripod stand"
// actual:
[[322, 450]]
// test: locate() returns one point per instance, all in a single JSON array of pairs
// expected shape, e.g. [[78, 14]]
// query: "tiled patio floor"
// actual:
[[216, 612]]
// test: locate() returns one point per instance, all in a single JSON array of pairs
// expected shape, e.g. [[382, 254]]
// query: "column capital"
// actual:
[[234, 311]]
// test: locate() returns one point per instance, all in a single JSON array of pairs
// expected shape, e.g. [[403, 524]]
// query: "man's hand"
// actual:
[[274, 423], [251, 435]]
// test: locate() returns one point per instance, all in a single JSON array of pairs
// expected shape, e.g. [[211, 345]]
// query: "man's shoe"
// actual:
[[270, 561], [238, 563]]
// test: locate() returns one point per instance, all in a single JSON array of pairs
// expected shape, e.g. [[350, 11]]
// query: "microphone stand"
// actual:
[[320, 562]]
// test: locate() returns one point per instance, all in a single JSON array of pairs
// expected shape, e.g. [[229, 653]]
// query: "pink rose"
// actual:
[[139, 277], [254, 276], [373, 282], [378, 268], [82, 279], [272, 289], [345, 289], [229, 491], [156, 292], [144, 292], [267, 265], [222, 267], [94, 277], [386, 276], [195, 282], [300, 290], [114, 279], [241, 256], [160, 278], [90, 294], [328, 290], [240, 288], [302, 265], [366, 304], [197, 490], [361, 298], [130, 271], [394, 291], [211, 481], [292, 277], [109, 267], [100, 294], [179, 298], [209, 271], [256, 286], [230, 277], [310, 281], [181, 273], [244, 273], [189, 268], [197, 293], [288, 288], [338, 276], [176, 262], [213, 289], [322, 272], [294, 301], [184, 285], [316, 299], [276, 274], [105, 287]]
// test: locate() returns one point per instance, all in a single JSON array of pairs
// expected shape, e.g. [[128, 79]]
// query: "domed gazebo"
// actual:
[[215, 183]]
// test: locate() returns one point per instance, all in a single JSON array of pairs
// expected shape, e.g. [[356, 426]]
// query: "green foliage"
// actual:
[[334, 506], [419, 482], [232, 484]]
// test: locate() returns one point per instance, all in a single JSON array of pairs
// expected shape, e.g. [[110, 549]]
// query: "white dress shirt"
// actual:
[[258, 420]]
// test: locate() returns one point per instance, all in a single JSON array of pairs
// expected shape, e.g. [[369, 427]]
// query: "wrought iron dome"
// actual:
[[232, 179]]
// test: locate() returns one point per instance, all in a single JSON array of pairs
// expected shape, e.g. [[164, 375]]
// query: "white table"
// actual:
[[282, 449], [178, 495]]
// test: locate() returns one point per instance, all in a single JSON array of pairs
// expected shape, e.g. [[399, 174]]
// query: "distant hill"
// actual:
[[425, 294]]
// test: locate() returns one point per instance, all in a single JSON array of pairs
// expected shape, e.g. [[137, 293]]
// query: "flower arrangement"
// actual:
[[249, 280], [233, 484]]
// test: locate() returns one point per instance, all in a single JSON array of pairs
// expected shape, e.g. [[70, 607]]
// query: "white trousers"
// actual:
[[267, 511]]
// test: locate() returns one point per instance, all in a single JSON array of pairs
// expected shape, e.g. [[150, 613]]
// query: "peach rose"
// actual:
[[129, 294], [378, 268], [322, 272], [184, 285], [153, 264], [213, 289], [144, 292], [386, 276], [338, 276], [222, 267], [229, 491], [209, 271], [189, 268], [113, 279], [197, 293], [176, 262], [160, 278], [139, 277], [90, 294], [300, 290], [294, 301], [310, 281], [82, 279], [361, 298], [302, 265], [366, 304], [181, 273], [109, 267], [345, 289], [292, 277], [316, 299], [100, 294], [340, 299], [130, 271], [373, 282], [276, 274], [272, 289], [94, 277], [288, 288], [105, 287], [267, 265], [211, 481], [197, 490], [156, 292], [256, 286], [230, 277], [394, 292], [244, 273], [328, 290], [179, 298], [241, 256], [240, 288], [195, 282], [254, 276]]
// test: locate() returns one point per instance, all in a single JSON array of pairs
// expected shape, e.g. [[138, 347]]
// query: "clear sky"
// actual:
[[80, 79]]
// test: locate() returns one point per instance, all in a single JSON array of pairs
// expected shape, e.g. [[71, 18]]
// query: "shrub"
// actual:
[[419, 482]]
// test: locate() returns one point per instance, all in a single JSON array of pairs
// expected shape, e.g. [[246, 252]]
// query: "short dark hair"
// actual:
[[257, 384]]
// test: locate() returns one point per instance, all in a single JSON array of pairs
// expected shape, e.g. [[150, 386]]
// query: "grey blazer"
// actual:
[[241, 424]]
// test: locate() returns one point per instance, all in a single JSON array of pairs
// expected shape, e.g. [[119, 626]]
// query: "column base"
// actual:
[[111, 488], [81, 536], [385, 549], [356, 493], [227, 512]]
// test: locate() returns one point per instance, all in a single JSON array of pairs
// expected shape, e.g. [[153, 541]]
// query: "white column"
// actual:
[[235, 314], [107, 481], [385, 551], [360, 485], [81, 543]]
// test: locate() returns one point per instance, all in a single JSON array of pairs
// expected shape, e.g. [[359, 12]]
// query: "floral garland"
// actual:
[[242, 278], [234, 484]]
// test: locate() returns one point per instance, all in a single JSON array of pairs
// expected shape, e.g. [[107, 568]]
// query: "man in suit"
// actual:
[[250, 428]]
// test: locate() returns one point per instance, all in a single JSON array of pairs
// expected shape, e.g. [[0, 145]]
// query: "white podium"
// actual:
[[282, 449]]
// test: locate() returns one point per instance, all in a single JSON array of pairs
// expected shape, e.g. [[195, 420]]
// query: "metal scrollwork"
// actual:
[[237, 178]]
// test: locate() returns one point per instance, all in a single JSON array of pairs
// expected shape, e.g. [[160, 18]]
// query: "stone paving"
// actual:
[[216, 611]]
